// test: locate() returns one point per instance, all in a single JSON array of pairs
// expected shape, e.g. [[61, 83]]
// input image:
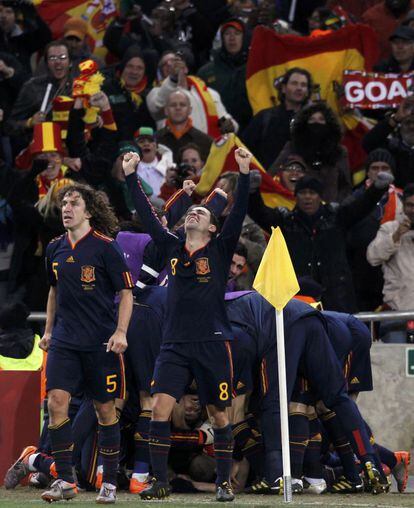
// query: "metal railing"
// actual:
[[362, 316], [386, 315]]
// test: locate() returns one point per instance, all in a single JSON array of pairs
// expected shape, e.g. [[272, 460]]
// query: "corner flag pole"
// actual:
[[283, 401]]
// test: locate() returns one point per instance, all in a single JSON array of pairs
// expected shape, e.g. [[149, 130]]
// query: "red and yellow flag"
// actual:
[[221, 160], [353, 47], [97, 13]]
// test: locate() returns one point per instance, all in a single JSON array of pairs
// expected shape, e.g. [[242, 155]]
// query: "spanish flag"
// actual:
[[276, 279], [97, 13], [221, 160], [353, 47]]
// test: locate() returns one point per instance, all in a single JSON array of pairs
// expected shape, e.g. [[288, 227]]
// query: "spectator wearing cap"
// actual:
[[396, 133], [384, 17], [127, 88], [226, 73], [208, 112], [402, 52], [75, 33], [315, 234], [179, 128], [368, 280], [316, 138], [22, 39], [270, 129], [155, 160], [291, 172], [26, 110]]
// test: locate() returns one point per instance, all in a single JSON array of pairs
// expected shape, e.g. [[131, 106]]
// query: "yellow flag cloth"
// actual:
[[276, 279]]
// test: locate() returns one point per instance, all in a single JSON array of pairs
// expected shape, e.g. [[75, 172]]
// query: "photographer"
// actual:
[[393, 249], [396, 134]]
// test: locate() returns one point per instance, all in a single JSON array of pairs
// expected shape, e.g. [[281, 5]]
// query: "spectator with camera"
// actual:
[[393, 250], [208, 112], [179, 129], [396, 133], [189, 167]]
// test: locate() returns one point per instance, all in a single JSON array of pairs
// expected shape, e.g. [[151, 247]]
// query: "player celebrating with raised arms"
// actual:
[[196, 328], [83, 337]]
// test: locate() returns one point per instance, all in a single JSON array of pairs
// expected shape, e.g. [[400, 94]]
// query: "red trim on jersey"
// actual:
[[172, 199], [263, 374], [191, 254], [101, 236], [73, 245]]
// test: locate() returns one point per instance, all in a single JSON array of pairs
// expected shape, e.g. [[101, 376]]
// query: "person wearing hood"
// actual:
[[226, 73], [316, 138], [127, 89]]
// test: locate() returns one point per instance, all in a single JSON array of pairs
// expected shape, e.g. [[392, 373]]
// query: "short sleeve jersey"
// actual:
[[87, 276]]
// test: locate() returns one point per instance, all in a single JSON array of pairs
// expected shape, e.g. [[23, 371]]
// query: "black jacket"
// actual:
[[128, 115], [378, 137], [318, 247], [267, 133]]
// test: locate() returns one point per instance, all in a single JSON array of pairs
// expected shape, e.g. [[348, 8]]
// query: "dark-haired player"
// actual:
[[196, 329], [85, 341]]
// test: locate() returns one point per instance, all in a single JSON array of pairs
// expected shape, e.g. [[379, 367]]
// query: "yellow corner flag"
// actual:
[[276, 279]]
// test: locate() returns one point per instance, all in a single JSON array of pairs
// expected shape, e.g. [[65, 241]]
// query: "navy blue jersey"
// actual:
[[195, 308], [255, 314], [351, 341], [87, 276]]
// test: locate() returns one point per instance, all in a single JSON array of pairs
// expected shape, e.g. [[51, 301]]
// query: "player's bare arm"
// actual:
[[50, 318], [118, 342]]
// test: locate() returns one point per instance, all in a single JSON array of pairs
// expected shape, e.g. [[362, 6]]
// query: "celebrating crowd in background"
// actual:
[[321, 105]]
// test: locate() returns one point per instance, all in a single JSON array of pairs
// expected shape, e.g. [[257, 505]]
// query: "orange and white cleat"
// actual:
[[60, 490], [400, 471], [20, 469], [135, 486]]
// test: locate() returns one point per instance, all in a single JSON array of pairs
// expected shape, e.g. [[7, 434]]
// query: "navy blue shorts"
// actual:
[[210, 364], [100, 374], [144, 341], [243, 358]]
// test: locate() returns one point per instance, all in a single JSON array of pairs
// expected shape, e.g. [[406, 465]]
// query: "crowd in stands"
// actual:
[[172, 88]]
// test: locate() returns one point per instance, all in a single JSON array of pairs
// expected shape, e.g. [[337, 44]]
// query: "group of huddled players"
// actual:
[[178, 390]]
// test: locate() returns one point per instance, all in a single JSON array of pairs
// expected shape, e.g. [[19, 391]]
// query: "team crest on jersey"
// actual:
[[88, 273], [202, 266]]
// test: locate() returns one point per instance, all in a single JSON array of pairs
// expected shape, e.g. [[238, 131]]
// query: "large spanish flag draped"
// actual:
[[97, 13], [353, 47], [221, 160]]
